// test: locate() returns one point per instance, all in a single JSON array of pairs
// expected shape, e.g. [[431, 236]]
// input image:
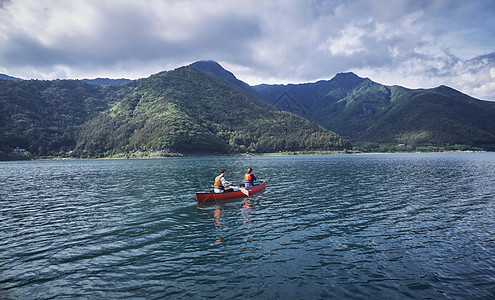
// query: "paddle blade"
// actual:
[[244, 191]]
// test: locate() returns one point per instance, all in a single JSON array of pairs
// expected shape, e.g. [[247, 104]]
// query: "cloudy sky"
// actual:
[[410, 43]]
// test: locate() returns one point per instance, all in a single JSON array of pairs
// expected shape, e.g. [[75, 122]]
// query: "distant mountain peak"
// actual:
[[7, 77], [347, 76], [213, 67], [216, 69], [206, 63], [347, 79], [350, 74]]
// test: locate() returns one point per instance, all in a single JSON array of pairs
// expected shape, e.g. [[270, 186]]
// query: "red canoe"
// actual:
[[211, 196]]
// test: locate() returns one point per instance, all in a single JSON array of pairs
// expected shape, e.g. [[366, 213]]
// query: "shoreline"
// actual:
[[289, 153]]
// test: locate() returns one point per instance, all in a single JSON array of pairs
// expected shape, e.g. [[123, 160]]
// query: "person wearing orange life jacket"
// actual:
[[221, 184], [249, 179]]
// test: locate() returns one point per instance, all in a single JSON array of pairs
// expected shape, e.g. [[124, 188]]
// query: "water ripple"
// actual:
[[371, 226]]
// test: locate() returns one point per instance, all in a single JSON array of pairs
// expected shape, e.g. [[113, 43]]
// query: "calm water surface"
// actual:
[[361, 227]]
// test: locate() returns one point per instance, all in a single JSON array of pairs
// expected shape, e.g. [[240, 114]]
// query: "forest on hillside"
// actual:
[[203, 108], [176, 112]]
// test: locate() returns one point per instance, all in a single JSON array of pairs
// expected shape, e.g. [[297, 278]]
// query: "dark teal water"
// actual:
[[360, 227]]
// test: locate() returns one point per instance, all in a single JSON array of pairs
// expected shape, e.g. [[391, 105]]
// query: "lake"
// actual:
[[373, 226]]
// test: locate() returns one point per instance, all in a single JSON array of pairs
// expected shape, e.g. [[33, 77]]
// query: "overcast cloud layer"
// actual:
[[410, 43]]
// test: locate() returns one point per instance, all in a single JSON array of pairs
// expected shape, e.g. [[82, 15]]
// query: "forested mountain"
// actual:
[[216, 69], [97, 81], [7, 77], [203, 108], [45, 116], [185, 110], [190, 111], [364, 111]]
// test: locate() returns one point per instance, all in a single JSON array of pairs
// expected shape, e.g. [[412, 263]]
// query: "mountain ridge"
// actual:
[[172, 112], [8, 77], [96, 81], [218, 119], [364, 111], [204, 108]]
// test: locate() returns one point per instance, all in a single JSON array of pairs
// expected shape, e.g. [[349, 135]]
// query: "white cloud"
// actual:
[[348, 42], [407, 42]]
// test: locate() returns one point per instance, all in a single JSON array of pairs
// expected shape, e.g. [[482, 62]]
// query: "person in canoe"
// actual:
[[221, 184], [249, 179]]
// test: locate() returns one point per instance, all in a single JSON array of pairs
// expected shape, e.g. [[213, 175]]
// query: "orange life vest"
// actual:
[[248, 178], [218, 183]]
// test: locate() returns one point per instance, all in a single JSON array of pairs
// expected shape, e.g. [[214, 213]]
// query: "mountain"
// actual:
[[7, 77], [97, 81], [203, 108], [184, 110], [106, 81], [191, 111], [216, 69], [45, 116], [364, 111]]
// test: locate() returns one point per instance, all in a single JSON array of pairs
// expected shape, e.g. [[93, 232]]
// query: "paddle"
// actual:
[[244, 191]]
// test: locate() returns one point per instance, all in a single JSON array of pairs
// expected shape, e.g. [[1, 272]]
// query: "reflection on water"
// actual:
[[370, 226], [245, 210], [218, 225]]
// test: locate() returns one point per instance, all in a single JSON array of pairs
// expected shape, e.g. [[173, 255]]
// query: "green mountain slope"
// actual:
[[189, 111], [216, 69], [438, 116], [44, 116], [185, 110], [364, 111], [7, 77]]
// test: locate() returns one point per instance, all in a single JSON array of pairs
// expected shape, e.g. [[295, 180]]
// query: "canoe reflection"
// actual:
[[218, 225], [220, 220]]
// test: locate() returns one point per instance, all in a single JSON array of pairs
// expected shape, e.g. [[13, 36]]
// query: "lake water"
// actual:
[[338, 226]]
